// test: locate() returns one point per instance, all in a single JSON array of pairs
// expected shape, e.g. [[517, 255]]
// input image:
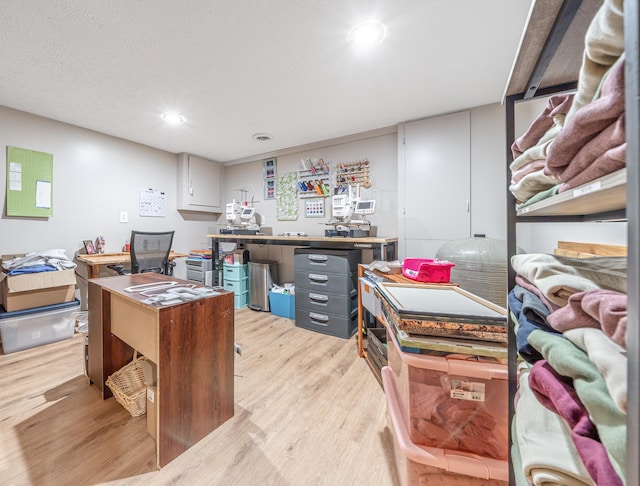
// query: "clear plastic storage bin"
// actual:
[[455, 402], [34, 327], [420, 466]]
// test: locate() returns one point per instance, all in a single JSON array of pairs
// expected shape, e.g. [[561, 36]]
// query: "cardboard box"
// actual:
[[20, 292], [152, 411]]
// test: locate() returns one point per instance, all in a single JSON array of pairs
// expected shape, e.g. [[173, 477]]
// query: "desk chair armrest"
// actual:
[[118, 268]]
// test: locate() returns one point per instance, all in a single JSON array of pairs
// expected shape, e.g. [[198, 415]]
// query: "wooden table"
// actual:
[[98, 260], [191, 344]]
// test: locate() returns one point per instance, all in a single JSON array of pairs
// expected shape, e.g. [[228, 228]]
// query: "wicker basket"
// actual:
[[129, 388]]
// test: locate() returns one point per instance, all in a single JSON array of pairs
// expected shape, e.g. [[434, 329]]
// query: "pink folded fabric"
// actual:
[[599, 309], [612, 159], [587, 123], [557, 105], [517, 175]]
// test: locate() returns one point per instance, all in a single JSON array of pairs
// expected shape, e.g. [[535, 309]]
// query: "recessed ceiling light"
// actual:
[[261, 137], [173, 118], [367, 34]]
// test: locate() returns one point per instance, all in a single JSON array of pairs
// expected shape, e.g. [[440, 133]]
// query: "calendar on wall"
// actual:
[[153, 203]]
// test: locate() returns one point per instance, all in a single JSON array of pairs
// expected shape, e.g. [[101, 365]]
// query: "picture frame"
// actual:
[[270, 189], [269, 169], [88, 246]]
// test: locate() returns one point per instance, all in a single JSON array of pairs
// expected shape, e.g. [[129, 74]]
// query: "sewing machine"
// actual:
[[349, 214], [241, 219]]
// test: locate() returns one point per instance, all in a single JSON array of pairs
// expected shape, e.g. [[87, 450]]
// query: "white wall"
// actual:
[[382, 154], [95, 176]]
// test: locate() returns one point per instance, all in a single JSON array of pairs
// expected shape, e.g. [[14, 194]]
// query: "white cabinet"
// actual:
[[199, 184], [434, 183]]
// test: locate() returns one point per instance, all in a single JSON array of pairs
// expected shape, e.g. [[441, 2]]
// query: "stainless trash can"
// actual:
[[262, 276]]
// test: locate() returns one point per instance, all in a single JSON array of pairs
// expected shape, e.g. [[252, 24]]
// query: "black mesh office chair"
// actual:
[[149, 253]]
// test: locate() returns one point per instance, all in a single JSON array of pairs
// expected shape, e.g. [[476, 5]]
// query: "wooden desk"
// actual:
[[98, 260], [191, 344]]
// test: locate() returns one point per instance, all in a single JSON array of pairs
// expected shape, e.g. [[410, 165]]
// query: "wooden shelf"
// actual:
[[603, 195]]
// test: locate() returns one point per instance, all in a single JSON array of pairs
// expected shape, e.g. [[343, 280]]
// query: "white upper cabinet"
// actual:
[[199, 184]]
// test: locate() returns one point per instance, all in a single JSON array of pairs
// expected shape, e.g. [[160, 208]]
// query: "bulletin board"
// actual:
[[286, 197], [29, 183]]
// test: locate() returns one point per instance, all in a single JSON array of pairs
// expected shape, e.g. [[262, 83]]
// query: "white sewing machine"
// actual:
[[241, 219], [349, 214]]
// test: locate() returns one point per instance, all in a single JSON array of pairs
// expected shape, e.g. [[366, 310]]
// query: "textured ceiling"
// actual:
[[237, 67]]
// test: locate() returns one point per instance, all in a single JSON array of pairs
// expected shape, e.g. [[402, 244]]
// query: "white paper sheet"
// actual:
[[43, 194]]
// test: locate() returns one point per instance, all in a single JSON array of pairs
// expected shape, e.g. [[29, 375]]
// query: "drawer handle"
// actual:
[[318, 278], [319, 297], [320, 318], [318, 258]]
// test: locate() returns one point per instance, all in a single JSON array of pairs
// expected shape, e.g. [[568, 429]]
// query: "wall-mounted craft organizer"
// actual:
[[352, 173], [315, 179]]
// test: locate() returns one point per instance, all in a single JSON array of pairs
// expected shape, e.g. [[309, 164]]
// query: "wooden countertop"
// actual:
[[282, 238]]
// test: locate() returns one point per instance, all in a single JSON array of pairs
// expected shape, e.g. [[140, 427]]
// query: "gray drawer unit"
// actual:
[[330, 283], [322, 302], [327, 261], [327, 290], [197, 269], [339, 326]]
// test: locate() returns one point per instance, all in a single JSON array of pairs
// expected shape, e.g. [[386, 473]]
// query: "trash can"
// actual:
[[262, 276]]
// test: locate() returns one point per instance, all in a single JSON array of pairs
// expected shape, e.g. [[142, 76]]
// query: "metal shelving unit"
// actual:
[[548, 62]]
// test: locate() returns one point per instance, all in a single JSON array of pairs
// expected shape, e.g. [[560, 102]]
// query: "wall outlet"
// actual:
[[124, 217]]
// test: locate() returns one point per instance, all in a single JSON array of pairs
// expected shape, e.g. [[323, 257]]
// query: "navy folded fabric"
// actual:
[[531, 313]]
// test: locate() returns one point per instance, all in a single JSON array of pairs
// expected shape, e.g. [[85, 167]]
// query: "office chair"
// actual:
[[149, 253]]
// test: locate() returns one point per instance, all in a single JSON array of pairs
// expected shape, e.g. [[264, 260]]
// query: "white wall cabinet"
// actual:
[[199, 184], [434, 183]]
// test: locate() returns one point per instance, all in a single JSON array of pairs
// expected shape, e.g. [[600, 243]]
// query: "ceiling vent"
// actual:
[[261, 137]]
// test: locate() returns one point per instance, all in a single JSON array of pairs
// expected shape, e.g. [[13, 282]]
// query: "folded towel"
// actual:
[[609, 358], [559, 277], [596, 128], [598, 309], [556, 393], [547, 451], [570, 361], [557, 106], [604, 44]]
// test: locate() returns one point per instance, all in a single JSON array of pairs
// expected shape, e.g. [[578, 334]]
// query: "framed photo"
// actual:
[[270, 189], [88, 246], [270, 169]]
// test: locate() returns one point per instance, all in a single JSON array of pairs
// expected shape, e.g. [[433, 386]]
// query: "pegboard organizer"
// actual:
[[352, 173], [315, 181]]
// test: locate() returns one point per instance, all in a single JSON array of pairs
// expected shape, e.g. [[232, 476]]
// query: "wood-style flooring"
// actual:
[[308, 411]]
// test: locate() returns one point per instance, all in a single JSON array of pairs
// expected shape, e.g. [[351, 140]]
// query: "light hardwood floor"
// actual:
[[308, 411]]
